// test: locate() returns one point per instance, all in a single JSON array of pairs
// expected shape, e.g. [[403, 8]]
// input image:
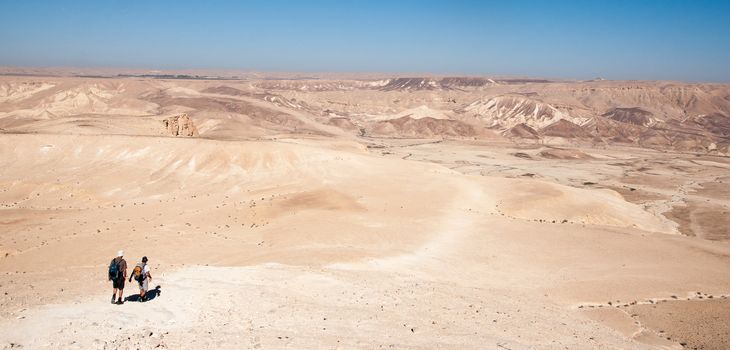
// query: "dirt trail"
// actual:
[[453, 229]]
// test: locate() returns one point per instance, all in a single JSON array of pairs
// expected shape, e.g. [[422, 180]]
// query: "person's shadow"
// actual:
[[150, 295]]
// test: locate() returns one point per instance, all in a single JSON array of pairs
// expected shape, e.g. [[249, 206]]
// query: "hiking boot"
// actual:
[[120, 301], [113, 297]]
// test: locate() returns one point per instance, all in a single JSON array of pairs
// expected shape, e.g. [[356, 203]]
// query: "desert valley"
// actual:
[[294, 211]]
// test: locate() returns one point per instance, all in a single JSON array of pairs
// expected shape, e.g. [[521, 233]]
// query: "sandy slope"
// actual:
[[276, 229], [462, 260], [278, 306]]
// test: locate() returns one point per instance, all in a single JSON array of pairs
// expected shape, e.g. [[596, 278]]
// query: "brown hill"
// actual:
[[424, 127], [716, 124], [565, 129], [634, 115], [344, 124], [522, 131], [613, 131], [226, 90]]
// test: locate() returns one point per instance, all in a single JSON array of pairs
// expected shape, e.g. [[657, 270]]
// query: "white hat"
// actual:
[[120, 253]]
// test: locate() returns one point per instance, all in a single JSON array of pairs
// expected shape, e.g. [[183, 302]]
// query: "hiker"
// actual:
[[117, 274], [141, 274]]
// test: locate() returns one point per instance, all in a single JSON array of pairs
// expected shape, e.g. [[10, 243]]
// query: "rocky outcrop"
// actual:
[[180, 125], [506, 111], [426, 83]]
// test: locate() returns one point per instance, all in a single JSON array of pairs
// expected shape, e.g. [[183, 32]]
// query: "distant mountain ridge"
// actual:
[[662, 115]]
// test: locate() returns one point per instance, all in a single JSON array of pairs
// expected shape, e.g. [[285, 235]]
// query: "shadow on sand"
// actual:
[[150, 295]]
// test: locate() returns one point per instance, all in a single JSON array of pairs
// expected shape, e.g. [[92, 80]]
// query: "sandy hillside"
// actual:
[[404, 224]]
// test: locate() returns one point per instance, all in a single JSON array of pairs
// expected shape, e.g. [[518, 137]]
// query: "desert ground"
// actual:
[[365, 212]]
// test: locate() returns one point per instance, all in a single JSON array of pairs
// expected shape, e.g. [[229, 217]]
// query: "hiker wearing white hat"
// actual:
[[117, 274]]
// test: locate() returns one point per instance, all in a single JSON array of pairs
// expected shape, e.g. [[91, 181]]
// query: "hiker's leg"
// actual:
[[120, 287], [145, 288]]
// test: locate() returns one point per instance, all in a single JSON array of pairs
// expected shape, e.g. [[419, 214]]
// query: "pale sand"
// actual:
[[302, 241]]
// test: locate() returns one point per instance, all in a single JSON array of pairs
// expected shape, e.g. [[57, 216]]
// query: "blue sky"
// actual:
[[668, 40]]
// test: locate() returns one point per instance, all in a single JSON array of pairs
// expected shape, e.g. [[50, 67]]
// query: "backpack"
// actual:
[[137, 272], [114, 270]]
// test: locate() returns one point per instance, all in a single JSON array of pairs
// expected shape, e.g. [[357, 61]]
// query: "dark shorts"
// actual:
[[118, 284]]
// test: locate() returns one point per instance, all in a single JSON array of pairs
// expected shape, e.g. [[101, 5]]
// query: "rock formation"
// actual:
[[180, 125]]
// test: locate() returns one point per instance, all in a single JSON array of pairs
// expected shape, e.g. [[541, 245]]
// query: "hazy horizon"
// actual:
[[622, 40]]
